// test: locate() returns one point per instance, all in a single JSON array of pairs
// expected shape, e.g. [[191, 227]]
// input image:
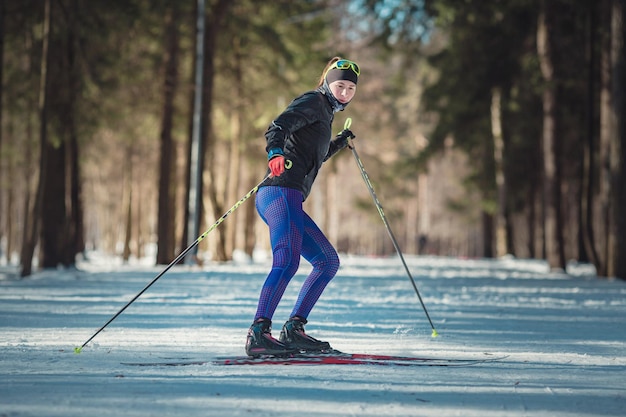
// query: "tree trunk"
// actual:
[[618, 150], [587, 241], [550, 175], [487, 220], [54, 217], [533, 204], [75, 232], [166, 224], [188, 146], [604, 223], [213, 26], [498, 148], [2, 13], [9, 221], [60, 227], [234, 159], [128, 204], [32, 227], [195, 146]]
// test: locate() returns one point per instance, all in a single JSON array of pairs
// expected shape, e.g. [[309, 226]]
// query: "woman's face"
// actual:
[[343, 90]]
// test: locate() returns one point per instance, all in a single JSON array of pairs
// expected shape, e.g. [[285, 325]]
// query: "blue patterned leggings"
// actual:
[[293, 233]]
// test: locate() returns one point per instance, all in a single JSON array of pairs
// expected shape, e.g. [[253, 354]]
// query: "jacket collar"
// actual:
[[334, 103]]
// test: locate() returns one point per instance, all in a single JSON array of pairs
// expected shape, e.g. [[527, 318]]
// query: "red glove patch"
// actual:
[[277, 165]]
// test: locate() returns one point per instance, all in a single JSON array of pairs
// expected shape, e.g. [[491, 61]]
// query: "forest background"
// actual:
[[488, 128]]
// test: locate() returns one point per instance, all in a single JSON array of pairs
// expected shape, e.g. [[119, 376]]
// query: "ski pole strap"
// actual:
[[347, 125]]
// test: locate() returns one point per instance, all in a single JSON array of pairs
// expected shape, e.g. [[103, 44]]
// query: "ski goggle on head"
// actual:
[[344, 64]]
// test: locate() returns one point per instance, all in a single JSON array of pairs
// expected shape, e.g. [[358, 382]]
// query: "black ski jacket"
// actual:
[[303, 131]]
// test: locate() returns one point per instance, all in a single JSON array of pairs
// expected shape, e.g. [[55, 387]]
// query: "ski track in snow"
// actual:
[[564, 335]]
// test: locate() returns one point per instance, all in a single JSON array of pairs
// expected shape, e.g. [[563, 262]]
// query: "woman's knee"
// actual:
[[327, 261], [287, 260]]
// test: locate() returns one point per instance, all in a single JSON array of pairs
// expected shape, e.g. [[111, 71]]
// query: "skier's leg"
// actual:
[[320, 253], [281, 209], [317, 250]]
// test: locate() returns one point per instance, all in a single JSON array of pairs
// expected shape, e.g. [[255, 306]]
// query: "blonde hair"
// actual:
[[330, 63]]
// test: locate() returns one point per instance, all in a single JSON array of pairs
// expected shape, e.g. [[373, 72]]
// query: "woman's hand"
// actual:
[[277, 165]]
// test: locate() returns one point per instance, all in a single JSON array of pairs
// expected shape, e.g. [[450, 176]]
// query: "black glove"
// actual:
[[339, 142], [343, 136]]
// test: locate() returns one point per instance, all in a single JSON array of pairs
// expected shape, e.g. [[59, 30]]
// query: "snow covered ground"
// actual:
[[565, 337]]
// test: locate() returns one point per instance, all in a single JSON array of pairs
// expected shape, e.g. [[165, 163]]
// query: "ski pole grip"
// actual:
[[348, 123]]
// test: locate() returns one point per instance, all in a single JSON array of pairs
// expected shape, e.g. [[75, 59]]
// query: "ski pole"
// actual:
[[379, 207], [177, 259]]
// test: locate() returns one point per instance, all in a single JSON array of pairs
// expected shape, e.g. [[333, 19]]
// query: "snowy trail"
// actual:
[[564, 336]]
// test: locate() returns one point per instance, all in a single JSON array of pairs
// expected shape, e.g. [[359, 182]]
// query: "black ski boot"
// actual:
[[261, 343], [293, 336]]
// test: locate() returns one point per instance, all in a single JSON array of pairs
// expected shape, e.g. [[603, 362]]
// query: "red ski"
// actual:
[[333, 358]]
